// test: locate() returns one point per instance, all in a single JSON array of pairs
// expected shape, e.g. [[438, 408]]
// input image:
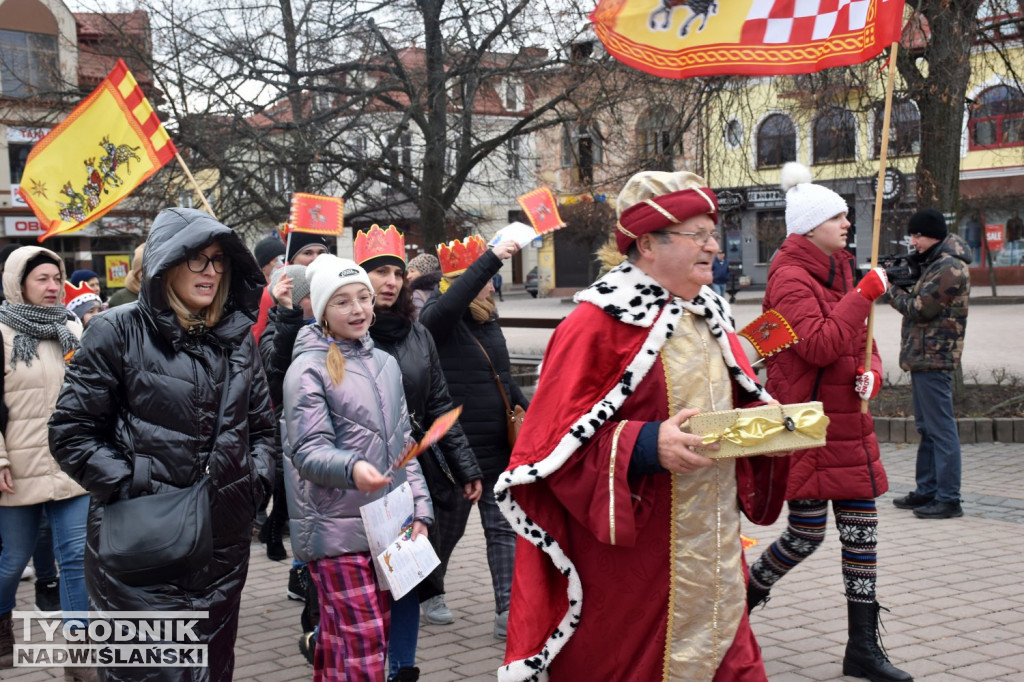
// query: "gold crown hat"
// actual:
[[376, 247], [653, 200], [459, 254]]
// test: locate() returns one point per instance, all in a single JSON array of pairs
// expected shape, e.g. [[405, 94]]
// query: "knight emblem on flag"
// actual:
[[686, 38], [98, 155]]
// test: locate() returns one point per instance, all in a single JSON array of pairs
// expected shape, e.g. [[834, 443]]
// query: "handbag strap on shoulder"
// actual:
[[494, 373]]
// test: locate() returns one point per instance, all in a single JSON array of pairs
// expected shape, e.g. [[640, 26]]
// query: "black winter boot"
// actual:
[[755, 596], [406, 675], [6, 641], [865, 656], [275, 545]]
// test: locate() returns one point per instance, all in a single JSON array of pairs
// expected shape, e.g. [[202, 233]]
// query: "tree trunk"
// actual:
[[940, 98], [432, 181]]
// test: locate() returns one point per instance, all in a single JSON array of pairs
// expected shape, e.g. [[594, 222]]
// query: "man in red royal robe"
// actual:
[[629, 563]]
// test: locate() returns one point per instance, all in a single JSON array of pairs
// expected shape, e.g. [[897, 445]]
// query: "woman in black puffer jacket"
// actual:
[[144, 393], [461, 316]]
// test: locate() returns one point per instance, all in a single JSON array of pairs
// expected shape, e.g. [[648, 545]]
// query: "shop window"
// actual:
[[28, 63], [904, 129], [997, 118], [659, 138], [771, 231], [835, 136], [776, 141]]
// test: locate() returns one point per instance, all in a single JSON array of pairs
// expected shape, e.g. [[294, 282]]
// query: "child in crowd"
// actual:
[[347, 425]]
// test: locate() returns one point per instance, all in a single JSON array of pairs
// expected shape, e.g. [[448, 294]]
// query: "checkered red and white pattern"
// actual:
[[803, 21]]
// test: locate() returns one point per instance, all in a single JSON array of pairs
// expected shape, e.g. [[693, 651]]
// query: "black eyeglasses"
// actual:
[[701, 238], [199, 261]]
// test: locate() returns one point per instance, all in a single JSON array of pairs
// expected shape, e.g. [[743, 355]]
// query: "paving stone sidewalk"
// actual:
[[953, 587]]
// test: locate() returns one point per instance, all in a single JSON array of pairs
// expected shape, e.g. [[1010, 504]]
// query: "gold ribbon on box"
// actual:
[[748, 431], [761, 430]]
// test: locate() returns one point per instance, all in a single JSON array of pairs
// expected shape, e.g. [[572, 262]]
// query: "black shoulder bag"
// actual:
[[156, 538]]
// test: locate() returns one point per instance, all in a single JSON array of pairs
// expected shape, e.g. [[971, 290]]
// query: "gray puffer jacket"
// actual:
[[328, 429]]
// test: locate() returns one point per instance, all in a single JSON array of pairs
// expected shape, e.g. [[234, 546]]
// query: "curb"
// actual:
[[971, 429]]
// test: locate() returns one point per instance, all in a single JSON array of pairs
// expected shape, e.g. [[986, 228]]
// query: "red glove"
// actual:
[[874, 284], [867, 384]]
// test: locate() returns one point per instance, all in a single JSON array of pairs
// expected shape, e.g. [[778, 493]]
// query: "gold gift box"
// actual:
[[761, 430]]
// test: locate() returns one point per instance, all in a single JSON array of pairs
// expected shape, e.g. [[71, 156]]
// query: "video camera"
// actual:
[[903, 270]]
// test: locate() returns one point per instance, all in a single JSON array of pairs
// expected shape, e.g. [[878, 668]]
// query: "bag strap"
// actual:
[[494, 373], [143, 465]]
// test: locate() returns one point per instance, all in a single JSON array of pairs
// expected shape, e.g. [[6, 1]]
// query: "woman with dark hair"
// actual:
[[462, 317], [450, 469], [38, 335], [162, 391]]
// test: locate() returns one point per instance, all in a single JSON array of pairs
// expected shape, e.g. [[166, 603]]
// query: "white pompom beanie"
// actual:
[[327, 274], [807, 205]]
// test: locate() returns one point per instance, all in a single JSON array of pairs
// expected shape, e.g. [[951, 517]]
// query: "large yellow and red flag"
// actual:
[[315, 213], [686, 38], [95, 157]]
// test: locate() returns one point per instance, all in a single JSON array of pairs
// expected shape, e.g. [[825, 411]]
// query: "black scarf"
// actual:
[[33, 323], [390, 328]]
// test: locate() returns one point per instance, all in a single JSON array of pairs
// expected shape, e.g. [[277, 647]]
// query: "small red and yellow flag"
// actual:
[[541, 209], [98, 155], [316, 214]]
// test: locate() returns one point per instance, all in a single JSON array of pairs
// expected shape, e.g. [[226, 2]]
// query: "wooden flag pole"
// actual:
[[195, 185], [877, 228]]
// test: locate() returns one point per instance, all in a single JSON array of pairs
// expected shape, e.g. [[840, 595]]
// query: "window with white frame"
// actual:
[[28, 63], [904, 129], [513, 95], [513, 159], [659, 138]]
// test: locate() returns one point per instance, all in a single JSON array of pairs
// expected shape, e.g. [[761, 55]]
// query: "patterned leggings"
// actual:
[[857, 521]]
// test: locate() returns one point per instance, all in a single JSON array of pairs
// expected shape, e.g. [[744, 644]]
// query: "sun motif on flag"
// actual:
[[38, 189]]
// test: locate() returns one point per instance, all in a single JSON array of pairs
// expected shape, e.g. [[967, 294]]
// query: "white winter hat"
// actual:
[[327, 274], [807, 205]]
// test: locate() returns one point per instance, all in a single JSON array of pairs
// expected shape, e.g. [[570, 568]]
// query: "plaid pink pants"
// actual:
[[354, 620]]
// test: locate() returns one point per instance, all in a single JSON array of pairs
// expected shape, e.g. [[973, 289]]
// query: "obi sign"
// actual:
[[22, 226]]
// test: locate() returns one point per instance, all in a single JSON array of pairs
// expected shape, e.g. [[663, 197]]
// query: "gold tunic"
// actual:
[[708, 594]]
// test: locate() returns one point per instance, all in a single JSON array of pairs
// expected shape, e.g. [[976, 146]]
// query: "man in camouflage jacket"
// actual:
[[934, 322]]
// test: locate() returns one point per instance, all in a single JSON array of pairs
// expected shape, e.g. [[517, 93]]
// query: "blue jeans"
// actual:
[[405, 628], [719, 288], [938, 455], [19, 527], [43, 560]]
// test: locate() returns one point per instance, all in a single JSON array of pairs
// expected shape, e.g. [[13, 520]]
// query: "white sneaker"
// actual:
[[436, 612], [29, 573]]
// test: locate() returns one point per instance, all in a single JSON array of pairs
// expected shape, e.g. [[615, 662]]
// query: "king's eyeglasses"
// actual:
[[199, 261], [701, 237], [348, 305]]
